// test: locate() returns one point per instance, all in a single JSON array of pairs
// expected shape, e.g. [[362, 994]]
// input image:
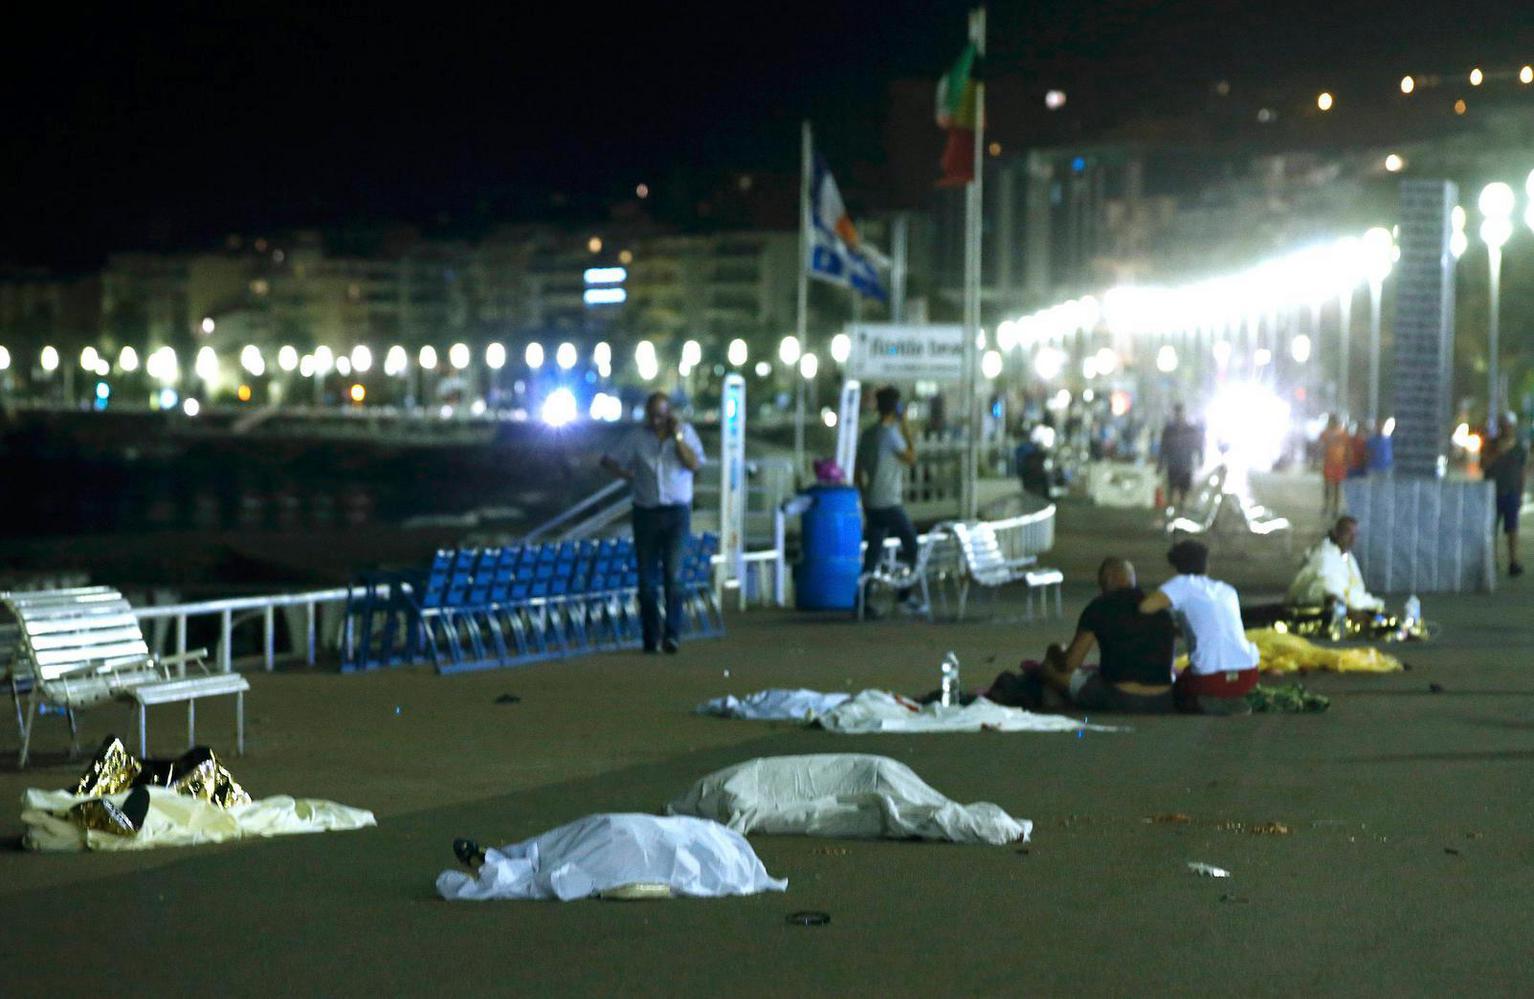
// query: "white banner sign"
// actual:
[[892, 352]]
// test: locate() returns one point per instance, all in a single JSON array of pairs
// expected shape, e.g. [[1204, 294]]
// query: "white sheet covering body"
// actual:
[[848, 795], [882, 711], [695, 857], [177, 820], [776, 704]]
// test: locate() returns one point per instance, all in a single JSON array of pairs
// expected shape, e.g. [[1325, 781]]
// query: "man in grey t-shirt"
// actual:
[[885, 451], [1503, 463]]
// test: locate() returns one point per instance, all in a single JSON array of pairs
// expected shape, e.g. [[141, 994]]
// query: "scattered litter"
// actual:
[[1435, 688], [727, 674], [396, 709], [1170, 818], [1023, 851], [1235, 898], [808, 918], [1257, 828], [831, 851], [508, 699], [1451, 850], [1207, 870]]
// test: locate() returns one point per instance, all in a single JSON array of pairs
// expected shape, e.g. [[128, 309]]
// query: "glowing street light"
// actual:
[[127, 359], [287, 357], [841, 348], [1299, 349], [251, 360], [1049, 362], [395, 361], [1166, 359], [1528, 188], [49, 359], [991, 364], [533, 355], [5, 359], [763, 369], [809, 366], [602, 355], [206, 365], [1324, 100], [1526, 75], [324, 360], [427, 358], [565, 356], [788, 351], [458, 356], [1458, 241], [1408, 84], [362, 358], [645, 361], [559, 408], [208, 325], [1394, 163], [737, 352], [89, 358], [1476, 77], [495, 356], [1496, 204]]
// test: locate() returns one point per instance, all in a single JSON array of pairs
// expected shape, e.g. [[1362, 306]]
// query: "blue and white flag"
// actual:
[[837, 254]]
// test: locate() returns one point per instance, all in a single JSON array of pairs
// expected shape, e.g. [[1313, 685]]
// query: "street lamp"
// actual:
[[737, 353], [1496, 204], [1378, 255]]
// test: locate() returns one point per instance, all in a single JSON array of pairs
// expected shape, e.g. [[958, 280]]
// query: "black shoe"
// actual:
[[650, 650], [1516, 569], [468, 852], [670, 645]]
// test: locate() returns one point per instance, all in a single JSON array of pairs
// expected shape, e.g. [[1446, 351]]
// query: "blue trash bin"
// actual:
[[831, 531]]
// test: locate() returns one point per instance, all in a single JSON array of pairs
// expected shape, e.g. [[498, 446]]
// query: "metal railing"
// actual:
[[251, 609]]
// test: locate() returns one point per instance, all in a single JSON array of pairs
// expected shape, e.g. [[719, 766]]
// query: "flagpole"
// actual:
[[974, 204], [801, 315]]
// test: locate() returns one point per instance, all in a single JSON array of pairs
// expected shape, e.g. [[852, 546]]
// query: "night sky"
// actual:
[[168, 127]]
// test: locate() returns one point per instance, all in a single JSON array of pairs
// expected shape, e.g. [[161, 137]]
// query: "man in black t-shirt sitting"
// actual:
[[1134, 671]]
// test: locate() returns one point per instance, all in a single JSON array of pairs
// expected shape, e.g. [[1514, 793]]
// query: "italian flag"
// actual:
[[956, 113]]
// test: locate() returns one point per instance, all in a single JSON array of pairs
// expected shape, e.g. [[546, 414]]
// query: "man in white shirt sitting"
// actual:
[[1331, 574], [1222, 664]]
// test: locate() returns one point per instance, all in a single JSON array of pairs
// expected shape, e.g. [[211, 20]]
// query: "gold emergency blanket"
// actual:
[[1280, 652], [177, 819]]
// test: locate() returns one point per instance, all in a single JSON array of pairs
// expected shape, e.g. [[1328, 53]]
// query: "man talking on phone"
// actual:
[[885, 451], [658, 458]]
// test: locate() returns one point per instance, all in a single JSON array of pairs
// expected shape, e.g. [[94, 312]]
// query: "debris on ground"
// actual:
[[1257, 828], [1207, 870], [1170, 818], [508, 699], [808, 918], [831, 851], [1435, 688]]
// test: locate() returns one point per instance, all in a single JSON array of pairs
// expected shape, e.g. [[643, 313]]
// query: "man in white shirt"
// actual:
[[658, 459], [1331, 573], [1222, 664]]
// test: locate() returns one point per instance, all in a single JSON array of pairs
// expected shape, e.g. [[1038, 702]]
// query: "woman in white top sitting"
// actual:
[[1222, 664]]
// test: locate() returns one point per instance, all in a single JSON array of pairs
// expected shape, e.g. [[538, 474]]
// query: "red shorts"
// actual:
[[1231, 684]]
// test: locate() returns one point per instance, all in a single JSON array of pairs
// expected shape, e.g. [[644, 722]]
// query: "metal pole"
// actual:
[[1375, 290], [898, 251], [309, 629], [801, 316], [1494, 258], [225, 649], [268, 636], [974, 203]]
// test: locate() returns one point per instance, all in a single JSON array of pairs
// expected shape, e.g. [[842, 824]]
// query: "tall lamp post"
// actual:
[[1496, 204], [1379, 254]]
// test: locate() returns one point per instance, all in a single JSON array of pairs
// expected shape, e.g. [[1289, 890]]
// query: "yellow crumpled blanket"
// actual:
[[1286, 653], [178, 820]]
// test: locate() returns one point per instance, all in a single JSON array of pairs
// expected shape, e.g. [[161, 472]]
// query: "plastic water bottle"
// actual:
[[1339, 622], [1413, 613], [950, 679]]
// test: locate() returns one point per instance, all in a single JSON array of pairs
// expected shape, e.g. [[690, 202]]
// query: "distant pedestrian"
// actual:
[[1336, 448], [1358, 452], [1380, 452], [658, 458], [1182, 447], [1504, 464], [885, 451]]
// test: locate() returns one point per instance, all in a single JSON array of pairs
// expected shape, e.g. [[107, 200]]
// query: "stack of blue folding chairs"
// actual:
[[478, 608]]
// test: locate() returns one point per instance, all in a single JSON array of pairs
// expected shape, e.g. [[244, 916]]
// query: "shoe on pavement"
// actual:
[[1516, 569], [670, 645]]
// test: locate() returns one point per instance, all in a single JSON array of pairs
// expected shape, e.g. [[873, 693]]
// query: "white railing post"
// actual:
[[226, 643], [309, 616], [268, 635]]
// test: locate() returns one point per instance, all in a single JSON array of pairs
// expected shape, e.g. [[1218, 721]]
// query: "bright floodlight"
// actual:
[[1054, 99], [362, 358], [324, 360], [208, 324], [395, 361], [206, 364], [841, 348], [1394, 163], [1408, 84], [1251, 422], [1526, 74], [1324, 100], [306, 366], [1107, 361], [1528, 187], [559, 408], [828, 416], [1006, 334], [1495, 232], [809, 366], [1496, 200], [788, 351], [737, 352], [692, 353], [5, 359], [495, 356], [1299, 349], [1378, 248], [191, 407], [1263, 357], [602, 355], [533, 355], [458, 356], [565, 356], [1049, 362], [1166, 359], [763, 369], [427, 358], [88, 358], [645, 361], [287, 357], [344, 366], [127, 359], [1221, 352], [1476, 77], [1389, 426], [990, 364], [251, 360]]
